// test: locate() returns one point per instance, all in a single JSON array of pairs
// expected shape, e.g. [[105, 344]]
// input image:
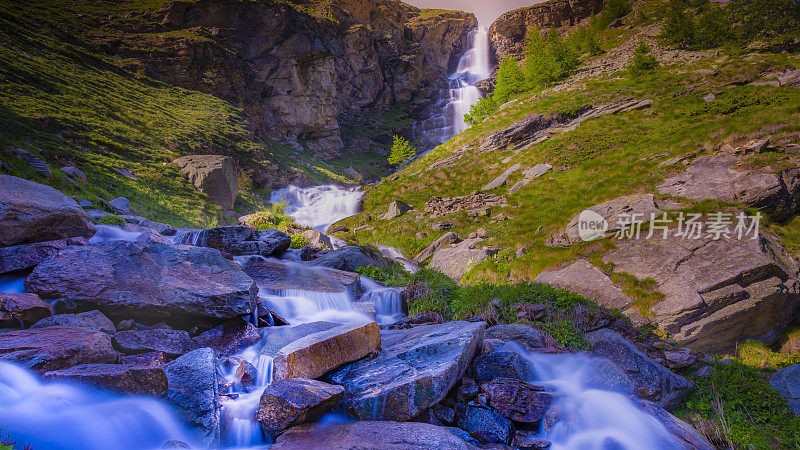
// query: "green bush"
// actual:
[[547, 59], [111, 219], [393, 276], [298, 241], [642, 62], [510, 80], [273, 217], [583, 41], [481, 110], [402, 151]]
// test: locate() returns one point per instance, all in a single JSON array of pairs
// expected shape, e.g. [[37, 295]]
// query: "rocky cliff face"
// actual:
[[297, 70], [507, 34]]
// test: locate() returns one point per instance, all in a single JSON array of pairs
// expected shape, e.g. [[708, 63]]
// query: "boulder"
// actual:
[[717, 293], [157, 359], [120, 378], [316, 354], [286, 403], [148, 282], [23, 308], [193, 393], [447, 239], [687, 436], [527, 337], [169, 342], [724, 176], [415, 370], [32, 212], [529, 440], [90, 320], [56, 348], [351, 258], [271, 275], [241, 240], [213, 175], [787, 383], [484, 424], [120, 205], [26, 256], [517, 400], [459, 259], [501, 179], [396, 209], [229, 338], [318, 240], [160, 228], [508, 365], [358, 435], [660, 385], [275, 338]]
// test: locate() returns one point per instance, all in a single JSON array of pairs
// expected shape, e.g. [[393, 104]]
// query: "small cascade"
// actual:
[[50, 415], [189, 237], [588, 417], [388, 301], [107, 233], [300, 306], [448, 118], [393, 253], [319, 207]]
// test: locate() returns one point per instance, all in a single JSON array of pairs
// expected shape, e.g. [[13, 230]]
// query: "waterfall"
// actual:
[[388, 301], [319, 207], [448, 118]]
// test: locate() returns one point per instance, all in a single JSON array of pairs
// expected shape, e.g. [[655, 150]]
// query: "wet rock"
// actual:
[[518, 400], [277, 276], [316, 354], [160, 228], [229, 338], [246, 373], [383, 435], [484, 424], [787, 383], [457, 260], [662, 386], [193, 392], [351, 258], [687, 436], [286, 403], [527, 337], [528, 440], [396, 209], [213, 175], [147, 282], [120, 378], [24, 308], [242, 240], [447, 239], [275, 338], [414, 371], [90, 320], [501, 365], [56, 348], [32, 212], [20, 257], [170, 342]]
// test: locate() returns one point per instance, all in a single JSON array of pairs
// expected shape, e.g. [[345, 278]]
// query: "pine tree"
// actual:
[[402, 151], [510, 80]]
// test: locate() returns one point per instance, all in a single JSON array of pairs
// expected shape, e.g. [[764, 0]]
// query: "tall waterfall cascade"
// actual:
[[448, 118]]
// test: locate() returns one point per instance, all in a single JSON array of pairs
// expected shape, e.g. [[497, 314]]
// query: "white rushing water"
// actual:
[[107, 233], [57, 416], [319, 207], [591, 418], [448, 117]]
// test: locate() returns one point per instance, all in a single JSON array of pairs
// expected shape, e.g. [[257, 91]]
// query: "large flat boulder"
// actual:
[[653, 381], [148, 282], [275, 338], [32, 212], [90, 320], [120, 378], [169, 342], [286, 403], [26, 256], [271, 275], [56, 348], [23, 308], [787, 383], [717, 293], [317, 354], [455, 261], [213, 175], [193, 393], [370, 435], [415, 370]]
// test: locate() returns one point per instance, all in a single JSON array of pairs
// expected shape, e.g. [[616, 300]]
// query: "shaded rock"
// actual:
[[527, 337], [529, 440], [518, 400], [664, 387], [229, 338], [246, 373], [286, 403], [501, 179], [24, 308], [193, 392], [459, 259], [443, 413], [467, 391], [170, 342], [484, 424], [121, 378], [316, 354], [278, 276], [787, 383], [213, 175], [157, 359], [90, 320], [351, 258], [446, 239], [120, 205], [32, 212], [414, 371], [33, 162], [240, 240], [687, 436], [75, 174], [26, 256], [501, 365], [382, 435], [147, 282], [56, 348], [396, 209]]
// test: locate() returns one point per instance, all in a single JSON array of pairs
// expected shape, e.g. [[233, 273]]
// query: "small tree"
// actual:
[[510, 80], [642, 61], [402, 151]]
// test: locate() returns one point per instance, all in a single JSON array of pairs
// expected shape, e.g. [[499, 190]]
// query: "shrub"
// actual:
[[402, 151], [273, 217], [393, 276], [583, 41], [510, 80], [480, 110], [299, 241], [111, 219], [642, 62]]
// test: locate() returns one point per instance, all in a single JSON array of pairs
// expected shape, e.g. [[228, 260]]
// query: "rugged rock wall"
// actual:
[[507, 34], [295, 69]]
